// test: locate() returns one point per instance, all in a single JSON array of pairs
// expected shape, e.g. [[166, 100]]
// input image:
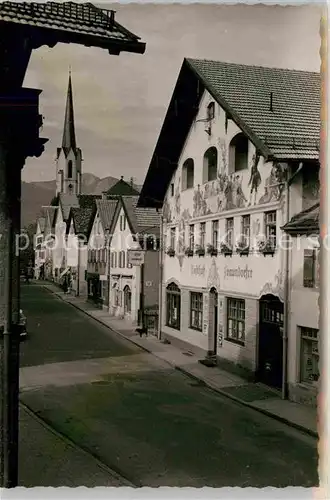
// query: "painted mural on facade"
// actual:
[[182, 223], [260, 184]]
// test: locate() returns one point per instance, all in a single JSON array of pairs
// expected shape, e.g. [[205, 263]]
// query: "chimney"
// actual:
[[132, 182], [104, 195], [271, 102]]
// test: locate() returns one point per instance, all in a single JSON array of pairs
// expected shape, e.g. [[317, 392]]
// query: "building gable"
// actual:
[[277, 130]]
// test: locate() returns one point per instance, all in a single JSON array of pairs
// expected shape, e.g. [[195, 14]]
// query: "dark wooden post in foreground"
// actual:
[[19, 138], [25, 26]]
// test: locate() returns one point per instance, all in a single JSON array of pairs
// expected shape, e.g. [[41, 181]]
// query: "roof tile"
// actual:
[[84, 18], [106, 210], [304, 222], [293, 122]]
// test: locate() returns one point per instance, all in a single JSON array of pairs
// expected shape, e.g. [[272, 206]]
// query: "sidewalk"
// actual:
[[253, 395], [48, 459]]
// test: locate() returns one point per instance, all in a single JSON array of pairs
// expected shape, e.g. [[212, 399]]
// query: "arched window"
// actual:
[[238, 153], [127, 299], [70, 169], [210, 111], [210, 165], [70, 188], [188, 174], [173, 306]]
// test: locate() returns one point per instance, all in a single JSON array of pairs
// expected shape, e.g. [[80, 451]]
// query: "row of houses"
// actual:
[[88, 246], [232, 195], [85, 240]]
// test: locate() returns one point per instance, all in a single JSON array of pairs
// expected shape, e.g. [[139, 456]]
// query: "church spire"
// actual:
[[69, 136]]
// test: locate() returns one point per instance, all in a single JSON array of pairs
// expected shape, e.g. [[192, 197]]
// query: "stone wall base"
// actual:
[[302, 394]]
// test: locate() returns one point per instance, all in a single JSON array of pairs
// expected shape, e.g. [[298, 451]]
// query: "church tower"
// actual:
[[69, 157]]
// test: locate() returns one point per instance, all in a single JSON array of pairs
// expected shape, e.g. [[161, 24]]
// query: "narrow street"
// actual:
[[142, 418]]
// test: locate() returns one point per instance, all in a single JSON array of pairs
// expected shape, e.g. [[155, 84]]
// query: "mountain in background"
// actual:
[[37, 194]]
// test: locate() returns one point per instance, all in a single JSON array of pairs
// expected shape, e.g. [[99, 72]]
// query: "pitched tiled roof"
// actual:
[[84, 19], [122, 188], [306, 222], [81, 219], [88, 200], [67, 201], [106, 210], [141, 219], [290, 131], [292, 128]]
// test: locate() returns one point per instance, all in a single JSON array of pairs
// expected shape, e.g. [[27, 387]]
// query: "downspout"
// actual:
[[286, 322], [108, 271], [161, 272], [78, 270]]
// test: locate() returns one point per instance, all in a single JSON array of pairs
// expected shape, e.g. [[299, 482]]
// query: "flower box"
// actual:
[[242, 247], [266, 247], [189, 252], [200, 251], [170, 252], [211, 250], [225, 249]]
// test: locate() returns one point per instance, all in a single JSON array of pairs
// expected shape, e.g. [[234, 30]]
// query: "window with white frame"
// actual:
[[173, 306], [236, 320], [270, 228], [129, 265], [310, 273], [191, 236], [188, 174], [172, 237], [229, 232], [309, 368], [210, 165], [210, 111], [215, 233], [196, 311], [245, 228], [202, 231], [238, 153]]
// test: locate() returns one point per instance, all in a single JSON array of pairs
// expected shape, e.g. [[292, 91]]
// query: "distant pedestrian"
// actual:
[[65, 285]]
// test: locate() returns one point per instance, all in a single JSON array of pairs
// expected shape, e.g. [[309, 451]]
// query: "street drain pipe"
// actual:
[[286, 321]]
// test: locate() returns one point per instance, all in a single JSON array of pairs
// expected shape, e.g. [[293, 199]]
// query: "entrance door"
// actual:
[[213, 321], [270, 356], [127, 300]]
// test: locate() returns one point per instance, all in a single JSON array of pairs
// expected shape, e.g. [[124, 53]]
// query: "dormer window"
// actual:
[[70, 169], [238, 153], [210, 111], [210, 165], [188, 174]]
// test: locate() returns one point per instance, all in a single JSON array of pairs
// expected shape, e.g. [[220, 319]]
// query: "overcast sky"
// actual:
[[120, 101]]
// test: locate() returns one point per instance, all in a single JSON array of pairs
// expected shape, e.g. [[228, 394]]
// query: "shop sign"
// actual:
[[238, 272], [135, 257], [198, 270]]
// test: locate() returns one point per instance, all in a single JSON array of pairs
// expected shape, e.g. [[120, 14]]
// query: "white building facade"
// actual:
[[125, 279], [223, 191], [207, 209], [304, 307]]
